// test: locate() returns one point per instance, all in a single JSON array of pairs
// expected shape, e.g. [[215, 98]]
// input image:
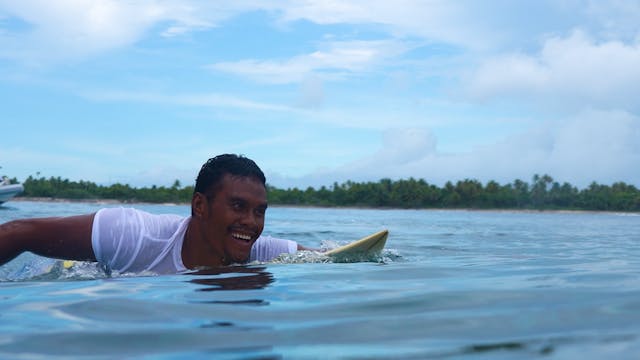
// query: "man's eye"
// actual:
[[236, 205]]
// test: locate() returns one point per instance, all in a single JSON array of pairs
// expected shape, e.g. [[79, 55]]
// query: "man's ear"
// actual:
[[199, 205]]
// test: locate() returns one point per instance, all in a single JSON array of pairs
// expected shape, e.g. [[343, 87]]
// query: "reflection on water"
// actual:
[[232, 278]]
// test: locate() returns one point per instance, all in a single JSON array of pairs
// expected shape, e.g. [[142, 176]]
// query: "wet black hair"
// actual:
[[214, 169]]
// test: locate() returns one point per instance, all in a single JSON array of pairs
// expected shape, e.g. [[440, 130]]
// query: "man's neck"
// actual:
[[196, 252]]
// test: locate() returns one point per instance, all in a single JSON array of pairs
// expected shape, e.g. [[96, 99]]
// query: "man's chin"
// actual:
[[239, 253], [239, 258]]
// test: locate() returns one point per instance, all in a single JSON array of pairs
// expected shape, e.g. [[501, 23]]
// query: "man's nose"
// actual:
[[250, 218]]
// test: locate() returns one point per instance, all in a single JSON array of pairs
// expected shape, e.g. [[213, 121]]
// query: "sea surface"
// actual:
[[451, 284]]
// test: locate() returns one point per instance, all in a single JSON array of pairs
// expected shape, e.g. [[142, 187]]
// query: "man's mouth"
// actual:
[[241, 236]]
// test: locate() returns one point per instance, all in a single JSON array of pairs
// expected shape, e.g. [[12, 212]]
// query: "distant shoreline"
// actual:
[[119, 202], [86, 201], [543, 195]]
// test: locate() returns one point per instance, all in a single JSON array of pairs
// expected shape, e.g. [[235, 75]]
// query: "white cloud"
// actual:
[[75, 29], [402, 146], [575, 69], [594, 145], [444, 21], [311, 93], [597, 145], [617, 19], [478, 26], [336, 60], [591, 145], [204, 100], [71, 29]]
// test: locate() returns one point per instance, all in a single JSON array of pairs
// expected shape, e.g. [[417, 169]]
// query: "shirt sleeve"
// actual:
[[114, 237], [267, 248], [130, 240], [125, 239]]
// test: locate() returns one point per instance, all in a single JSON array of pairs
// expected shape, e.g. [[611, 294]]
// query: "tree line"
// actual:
[[543, 193], [58, 188]]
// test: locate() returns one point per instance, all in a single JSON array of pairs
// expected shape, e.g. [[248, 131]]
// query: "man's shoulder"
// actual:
[[133, 215]]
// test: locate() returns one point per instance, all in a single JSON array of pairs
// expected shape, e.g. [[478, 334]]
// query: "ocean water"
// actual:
[[451, 284]]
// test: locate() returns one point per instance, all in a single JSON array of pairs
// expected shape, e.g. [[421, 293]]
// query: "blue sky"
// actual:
[[143, 92]]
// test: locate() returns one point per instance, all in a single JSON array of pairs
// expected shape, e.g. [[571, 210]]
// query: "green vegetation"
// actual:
[[543, 194], [58, 188]]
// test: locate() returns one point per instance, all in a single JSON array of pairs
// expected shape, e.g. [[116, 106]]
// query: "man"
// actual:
[[227, 218]]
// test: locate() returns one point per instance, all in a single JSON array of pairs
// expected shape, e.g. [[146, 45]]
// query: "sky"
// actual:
[[317, 92]]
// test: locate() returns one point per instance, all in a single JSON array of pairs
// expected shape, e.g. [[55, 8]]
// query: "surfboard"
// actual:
[[367, 247]]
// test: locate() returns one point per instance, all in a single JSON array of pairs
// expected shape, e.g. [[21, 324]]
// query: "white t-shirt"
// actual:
[[131, 240]]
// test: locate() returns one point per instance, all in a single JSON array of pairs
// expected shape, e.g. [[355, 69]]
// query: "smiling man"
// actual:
[[226, 222], [227, 218]]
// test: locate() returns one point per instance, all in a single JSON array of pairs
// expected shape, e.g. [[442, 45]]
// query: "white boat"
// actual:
[[8, 190]]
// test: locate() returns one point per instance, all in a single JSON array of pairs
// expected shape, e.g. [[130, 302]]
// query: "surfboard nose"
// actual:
[[368, 245]]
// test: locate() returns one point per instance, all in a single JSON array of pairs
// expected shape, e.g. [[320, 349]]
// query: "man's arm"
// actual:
[[60, 237]]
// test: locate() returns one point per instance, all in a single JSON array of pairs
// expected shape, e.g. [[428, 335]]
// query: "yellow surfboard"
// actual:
[[368, 246]]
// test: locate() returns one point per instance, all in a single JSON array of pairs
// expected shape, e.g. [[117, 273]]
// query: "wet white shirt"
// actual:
[[131, 240]]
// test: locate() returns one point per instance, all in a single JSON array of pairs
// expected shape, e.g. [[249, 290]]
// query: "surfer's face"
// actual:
[[235, 218]]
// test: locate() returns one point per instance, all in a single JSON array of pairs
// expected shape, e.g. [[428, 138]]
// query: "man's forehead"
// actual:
[[236, 185]]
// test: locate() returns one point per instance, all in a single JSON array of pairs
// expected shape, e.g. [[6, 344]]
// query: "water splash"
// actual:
[[45, 269], [316, 257]]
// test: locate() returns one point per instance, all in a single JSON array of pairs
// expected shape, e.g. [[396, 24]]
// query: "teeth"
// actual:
[[241, 237]]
